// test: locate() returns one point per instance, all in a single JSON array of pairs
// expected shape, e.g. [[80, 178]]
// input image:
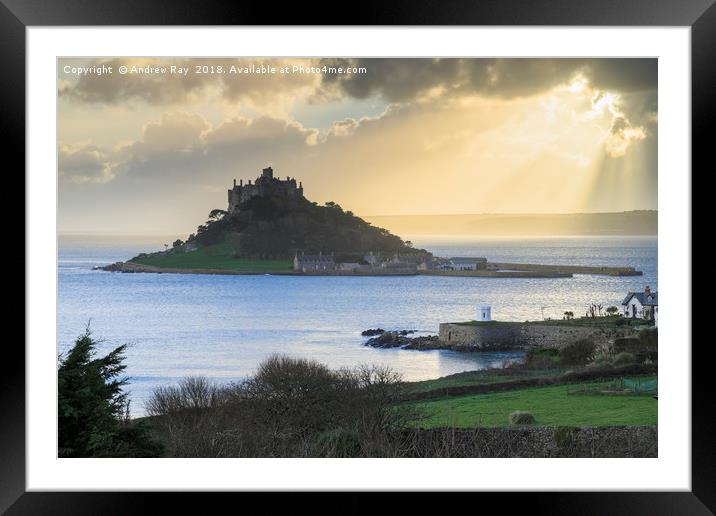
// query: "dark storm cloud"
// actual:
[[114, 88], [405, 79], [395, 80], [623, 75], [173, 88]]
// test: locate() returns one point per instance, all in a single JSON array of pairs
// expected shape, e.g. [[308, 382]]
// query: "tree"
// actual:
[[612, 310], [178, 242], [93, 410], [216, 214], [569, 315]]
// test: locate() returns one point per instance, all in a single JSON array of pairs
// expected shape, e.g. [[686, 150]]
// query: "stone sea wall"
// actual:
[[515, 335]]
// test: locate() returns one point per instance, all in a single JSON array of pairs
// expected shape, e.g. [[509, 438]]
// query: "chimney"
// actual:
[[647, 290]]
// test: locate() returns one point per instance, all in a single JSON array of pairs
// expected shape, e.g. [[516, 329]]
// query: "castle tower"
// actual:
[[265, 185]]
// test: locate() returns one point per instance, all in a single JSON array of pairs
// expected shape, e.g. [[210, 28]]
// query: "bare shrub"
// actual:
[[542, 358], [289, 408], [579, 352], [189, 418], [338, 443], [649, 339], [623, 359]]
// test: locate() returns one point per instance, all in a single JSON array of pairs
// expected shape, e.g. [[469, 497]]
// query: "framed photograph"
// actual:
[[420, 250]]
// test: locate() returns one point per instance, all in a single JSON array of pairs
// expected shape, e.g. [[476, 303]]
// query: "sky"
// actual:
[[153, 150]]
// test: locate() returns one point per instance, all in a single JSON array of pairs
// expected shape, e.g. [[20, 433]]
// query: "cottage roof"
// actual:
[[467, 259], [645, 298], [315, 258]]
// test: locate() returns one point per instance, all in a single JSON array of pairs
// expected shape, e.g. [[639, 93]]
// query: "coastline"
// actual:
[[131, 267]]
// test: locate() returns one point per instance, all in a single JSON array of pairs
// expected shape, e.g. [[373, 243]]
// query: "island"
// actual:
[[270, 227]]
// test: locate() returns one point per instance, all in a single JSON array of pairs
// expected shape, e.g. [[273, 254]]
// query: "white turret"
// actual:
[[484, 313]]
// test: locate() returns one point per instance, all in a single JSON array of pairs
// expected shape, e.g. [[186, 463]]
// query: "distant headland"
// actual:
[[270, 227], [636, 222]]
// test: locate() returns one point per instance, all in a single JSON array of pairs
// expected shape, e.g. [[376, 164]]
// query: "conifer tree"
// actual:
[[93, 409]]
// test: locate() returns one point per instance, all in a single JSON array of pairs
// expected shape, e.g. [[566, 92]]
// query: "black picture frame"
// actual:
[[17, 15]]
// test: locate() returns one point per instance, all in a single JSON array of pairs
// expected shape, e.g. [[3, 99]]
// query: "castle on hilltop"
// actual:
[[265, 185]]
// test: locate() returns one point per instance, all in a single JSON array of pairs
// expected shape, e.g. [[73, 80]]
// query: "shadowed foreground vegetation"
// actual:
[[92, 409], [289, 408], [301, 408]]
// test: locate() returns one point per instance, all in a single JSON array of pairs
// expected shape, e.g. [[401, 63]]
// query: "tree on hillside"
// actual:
[[93, 410], [216, 214]]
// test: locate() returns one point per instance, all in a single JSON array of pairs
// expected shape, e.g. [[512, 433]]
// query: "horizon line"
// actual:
[[540, 214]]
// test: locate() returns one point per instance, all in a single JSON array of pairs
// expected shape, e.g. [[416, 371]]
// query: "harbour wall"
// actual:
[[498, 335]]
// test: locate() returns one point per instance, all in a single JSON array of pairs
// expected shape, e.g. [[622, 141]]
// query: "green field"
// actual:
[[219, 256], [562, 405], [484, 377]]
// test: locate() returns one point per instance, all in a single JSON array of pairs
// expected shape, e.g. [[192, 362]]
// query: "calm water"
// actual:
[[223, 326]]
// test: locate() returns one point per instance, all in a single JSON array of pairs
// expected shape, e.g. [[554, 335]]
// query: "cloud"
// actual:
[[116, 88], [344, 127], [621, 136], [185, 144], [85, 163], [239, 135], [395, 80], [401, 80], [175, 132], [261, 89]]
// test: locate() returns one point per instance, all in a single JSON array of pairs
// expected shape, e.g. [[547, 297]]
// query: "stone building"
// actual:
[[313, 262], [265, 185]]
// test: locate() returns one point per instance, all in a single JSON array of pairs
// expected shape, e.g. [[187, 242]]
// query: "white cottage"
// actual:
[[644, 305], [467, 264]]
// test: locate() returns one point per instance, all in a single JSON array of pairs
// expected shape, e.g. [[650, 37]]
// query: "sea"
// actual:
[[222, 327]]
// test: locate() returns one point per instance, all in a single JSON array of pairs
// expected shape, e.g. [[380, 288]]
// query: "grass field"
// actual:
[[484, 377], [562, 405], [219, 256]]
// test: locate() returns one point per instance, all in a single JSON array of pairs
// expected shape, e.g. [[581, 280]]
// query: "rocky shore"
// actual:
[[380, 338], [398, 339]]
